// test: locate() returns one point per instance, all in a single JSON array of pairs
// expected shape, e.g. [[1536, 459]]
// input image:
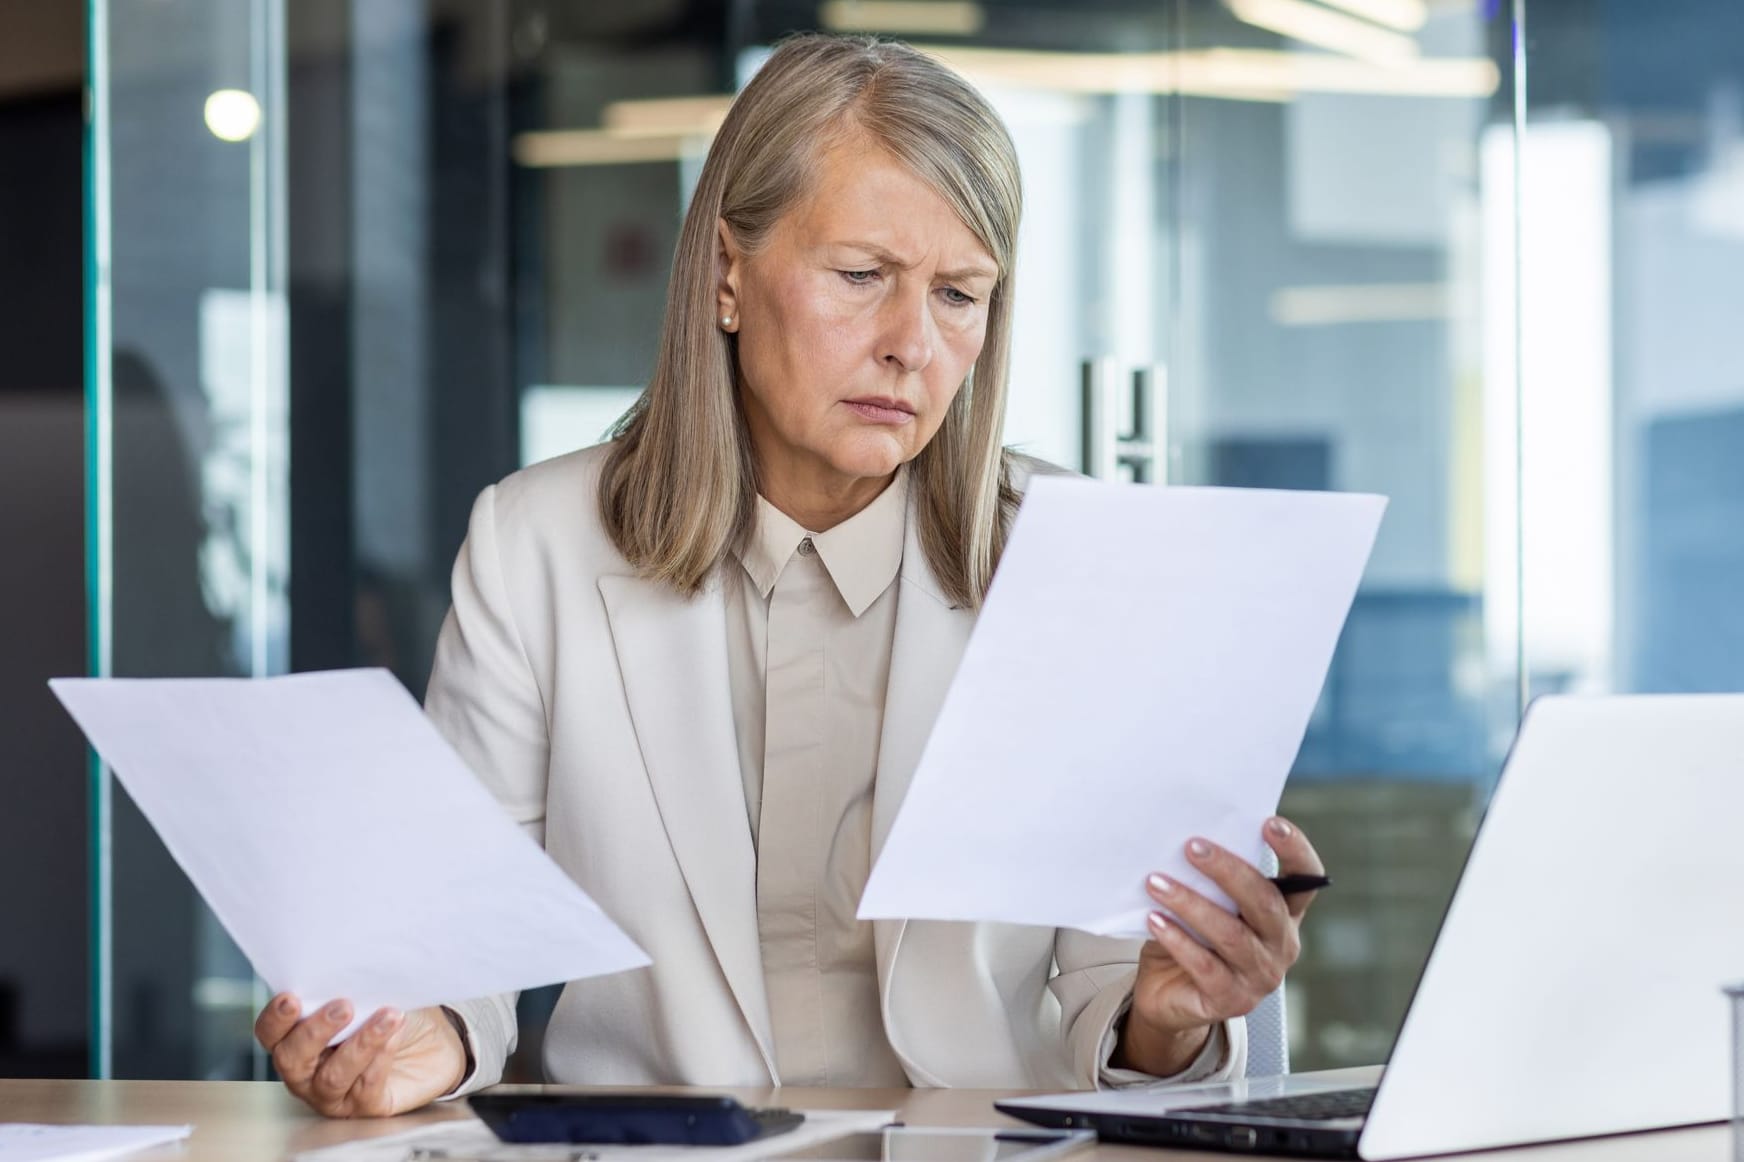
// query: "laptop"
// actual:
[[1574, 989]]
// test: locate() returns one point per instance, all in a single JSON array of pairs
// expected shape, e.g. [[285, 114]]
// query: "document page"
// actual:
[[1142, 672], [34, 1143], [341, 841]]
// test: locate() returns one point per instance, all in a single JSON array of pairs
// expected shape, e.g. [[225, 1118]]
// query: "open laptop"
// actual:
[[1575, 986]]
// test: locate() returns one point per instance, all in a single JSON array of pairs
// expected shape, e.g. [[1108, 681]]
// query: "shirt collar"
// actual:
[[862, 555]]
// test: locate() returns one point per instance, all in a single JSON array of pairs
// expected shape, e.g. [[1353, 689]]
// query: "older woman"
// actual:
[[699, 662]]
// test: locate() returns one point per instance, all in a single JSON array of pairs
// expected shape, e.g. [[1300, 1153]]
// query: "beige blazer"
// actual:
[[596, 706]]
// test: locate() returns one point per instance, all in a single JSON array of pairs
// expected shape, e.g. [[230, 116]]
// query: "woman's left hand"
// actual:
[[1185, 988]]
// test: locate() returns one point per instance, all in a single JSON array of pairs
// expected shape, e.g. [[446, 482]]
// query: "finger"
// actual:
[[1227, 936], [1257, 899], [1296, 856], [336, 1076], [1258, 963], [277, 1019], [369, 1093], [298, 1053], [1222, 994]]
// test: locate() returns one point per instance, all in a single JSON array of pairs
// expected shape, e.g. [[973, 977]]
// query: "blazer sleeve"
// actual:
[[484, 699], [1093, 983]]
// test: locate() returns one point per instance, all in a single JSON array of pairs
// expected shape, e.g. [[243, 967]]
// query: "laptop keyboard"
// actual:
[[1311, 1107]]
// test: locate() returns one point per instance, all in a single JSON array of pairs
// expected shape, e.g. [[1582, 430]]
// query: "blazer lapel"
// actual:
[[672, 653], [927, 646]]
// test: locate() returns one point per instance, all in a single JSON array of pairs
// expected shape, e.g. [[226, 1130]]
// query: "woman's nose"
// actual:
[[907, 338]]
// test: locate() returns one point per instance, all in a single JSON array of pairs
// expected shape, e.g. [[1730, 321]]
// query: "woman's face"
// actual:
[[857, 322]]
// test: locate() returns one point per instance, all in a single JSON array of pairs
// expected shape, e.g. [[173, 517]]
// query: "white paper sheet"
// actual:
[[1143, 672], [469, 1140], [35, 1143], [341, 841]]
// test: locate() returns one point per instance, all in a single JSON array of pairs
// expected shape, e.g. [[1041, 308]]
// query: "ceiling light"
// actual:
[[1321, 306], [668, 115], [567, 147], [1404, 15], [232, 115], [669, 129], [1299, 72], [909, 17], [1234, 73], [1324, 28]]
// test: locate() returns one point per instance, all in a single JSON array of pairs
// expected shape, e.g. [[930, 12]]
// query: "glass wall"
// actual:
[[300, 305], [1633, 397], [188, 419], [363, 258], [1326, 324]]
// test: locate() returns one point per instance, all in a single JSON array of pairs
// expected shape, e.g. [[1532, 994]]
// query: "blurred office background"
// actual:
[[344, 262]]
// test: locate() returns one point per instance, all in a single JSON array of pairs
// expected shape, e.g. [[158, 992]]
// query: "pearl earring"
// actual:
[[726, 320]]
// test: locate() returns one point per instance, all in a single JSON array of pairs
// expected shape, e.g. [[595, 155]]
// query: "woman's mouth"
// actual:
[[880, 410]]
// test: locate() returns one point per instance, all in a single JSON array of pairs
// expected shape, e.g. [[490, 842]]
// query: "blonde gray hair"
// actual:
[[679, 485]]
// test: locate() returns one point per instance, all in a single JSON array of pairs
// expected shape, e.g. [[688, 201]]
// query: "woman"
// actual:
[[699, 662]]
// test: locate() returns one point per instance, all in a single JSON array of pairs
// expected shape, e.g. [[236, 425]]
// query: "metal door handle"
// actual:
[[1105, 448]]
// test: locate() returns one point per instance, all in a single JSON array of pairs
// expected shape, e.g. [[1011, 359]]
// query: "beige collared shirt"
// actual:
[[810, 623], [810, 619]]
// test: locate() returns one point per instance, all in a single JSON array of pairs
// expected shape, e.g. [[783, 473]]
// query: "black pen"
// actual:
[[1296, 884]]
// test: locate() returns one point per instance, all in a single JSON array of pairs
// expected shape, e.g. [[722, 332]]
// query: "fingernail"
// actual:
[[287, 1005], [1160, 884], [1198, 849], [338, 1011], [387, 1020], [1157, 923], [1280, 828]]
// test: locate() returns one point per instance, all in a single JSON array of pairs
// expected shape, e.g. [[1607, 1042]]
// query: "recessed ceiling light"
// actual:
[[1404, 15], [1324, 28], [232, 115]]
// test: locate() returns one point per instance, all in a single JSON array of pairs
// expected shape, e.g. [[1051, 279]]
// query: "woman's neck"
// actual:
[[819, 505]]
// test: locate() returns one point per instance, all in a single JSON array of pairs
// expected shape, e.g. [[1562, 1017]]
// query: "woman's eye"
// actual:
[[957, 298], [859, 277]]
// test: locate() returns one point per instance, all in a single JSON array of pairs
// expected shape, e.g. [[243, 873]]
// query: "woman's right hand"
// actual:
[[393, 1063]]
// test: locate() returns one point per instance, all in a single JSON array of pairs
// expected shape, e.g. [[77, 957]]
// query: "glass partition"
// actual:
[[188, 415], [1327, 319], [1632, 249], [356, 260], [300, 306]]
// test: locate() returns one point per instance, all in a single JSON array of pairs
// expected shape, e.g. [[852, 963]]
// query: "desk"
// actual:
[[246, 1121]]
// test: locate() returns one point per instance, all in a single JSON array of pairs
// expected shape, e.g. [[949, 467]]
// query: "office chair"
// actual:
[[1268, 1029], [1268, 1038]]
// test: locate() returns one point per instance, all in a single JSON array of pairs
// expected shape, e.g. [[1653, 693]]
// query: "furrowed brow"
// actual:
[[969, 272], [873, 250]]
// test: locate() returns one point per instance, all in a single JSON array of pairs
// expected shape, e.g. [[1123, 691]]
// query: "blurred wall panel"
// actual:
[[43, 1024]]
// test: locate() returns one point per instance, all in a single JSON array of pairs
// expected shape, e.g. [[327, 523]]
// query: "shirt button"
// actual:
[[806, 548]]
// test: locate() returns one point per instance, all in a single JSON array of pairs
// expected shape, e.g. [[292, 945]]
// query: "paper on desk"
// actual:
[[472, 1140], [341, 841], [1142, 672], [34, 1143]]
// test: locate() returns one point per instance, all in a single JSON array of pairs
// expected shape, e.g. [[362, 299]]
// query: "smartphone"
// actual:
[[920, 1144], [629, 1119]]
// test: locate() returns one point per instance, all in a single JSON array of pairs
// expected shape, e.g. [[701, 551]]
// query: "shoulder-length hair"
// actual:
[[679, 485]]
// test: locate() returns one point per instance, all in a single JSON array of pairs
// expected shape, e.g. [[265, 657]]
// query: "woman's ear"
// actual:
[[729, 264]]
